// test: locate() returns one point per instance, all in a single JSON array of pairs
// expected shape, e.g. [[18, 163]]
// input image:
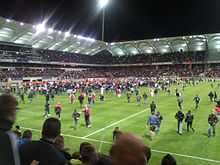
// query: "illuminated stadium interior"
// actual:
[[76, 76], [42, 37]]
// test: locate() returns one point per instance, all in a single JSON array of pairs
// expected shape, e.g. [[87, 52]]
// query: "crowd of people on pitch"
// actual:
[[213, 118], [18, 147]]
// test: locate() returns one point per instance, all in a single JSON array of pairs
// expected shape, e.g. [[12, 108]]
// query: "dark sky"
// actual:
[[125, 19]]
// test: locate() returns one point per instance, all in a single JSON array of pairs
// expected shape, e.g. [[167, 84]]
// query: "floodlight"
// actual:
[[8, 20], [67, 34], [22, 24], [59, 32], [148, 51], [50, 30], [163, 50], [103, 3], [40, 28]]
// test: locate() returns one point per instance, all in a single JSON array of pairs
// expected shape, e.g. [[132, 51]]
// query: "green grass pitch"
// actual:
[[114, 109]]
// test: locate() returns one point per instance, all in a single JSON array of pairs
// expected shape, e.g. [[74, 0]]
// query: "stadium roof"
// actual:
[[39, 36], [42, 37]]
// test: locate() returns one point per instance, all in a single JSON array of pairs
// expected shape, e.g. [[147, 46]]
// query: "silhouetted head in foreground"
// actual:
[[129, 150], [168, 160]]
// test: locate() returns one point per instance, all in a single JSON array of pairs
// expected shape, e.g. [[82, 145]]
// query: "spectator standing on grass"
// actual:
[[129, 96], [179, 117], [197, 101], [212, 120], [47, 110], [153, 107], [81, 99], [47, 97], [211, 96], [160, 118], [189, 121], [9, 154], [180, 102], [44, 150], [116, 134], [71, 98], [145, 96], [75, 116], [87, 113], [58, 110], [30, 96], [152, 123], [138, 98]]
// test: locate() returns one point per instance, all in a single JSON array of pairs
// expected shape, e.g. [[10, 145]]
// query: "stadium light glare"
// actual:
[[40, 28], [8, 20], [103, 3], [86, 38], [59, 32], [149, 51], [50, 30], [67, 34], [22, 24]]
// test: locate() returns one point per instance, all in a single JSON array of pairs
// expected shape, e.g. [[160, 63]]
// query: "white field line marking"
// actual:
[[72, 136], [153, 150], [113, 124], [186, 156]]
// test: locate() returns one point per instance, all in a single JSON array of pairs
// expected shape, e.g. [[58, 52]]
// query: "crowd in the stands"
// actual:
[[147, 71], [19, 73], [18, 147], [27, 54]]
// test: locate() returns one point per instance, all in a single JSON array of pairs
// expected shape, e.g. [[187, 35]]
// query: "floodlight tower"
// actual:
[[102, 5]]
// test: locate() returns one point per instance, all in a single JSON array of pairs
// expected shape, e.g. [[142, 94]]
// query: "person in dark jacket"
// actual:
[[212, 121], [26, 137], [189, 121], [59, 144], [44, 150], [81, 99], [168, 160], [8, 151], [153, 107], [180, 117]]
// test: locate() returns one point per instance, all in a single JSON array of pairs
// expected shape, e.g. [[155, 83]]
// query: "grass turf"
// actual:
[[115, 109]]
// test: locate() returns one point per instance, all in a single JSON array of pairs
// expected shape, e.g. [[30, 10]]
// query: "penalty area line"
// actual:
[[115, 123], [153, 150]]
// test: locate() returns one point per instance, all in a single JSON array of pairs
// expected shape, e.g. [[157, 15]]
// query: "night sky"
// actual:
[[125, 19]]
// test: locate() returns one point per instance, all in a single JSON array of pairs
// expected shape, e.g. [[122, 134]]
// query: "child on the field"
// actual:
[[58, 109]]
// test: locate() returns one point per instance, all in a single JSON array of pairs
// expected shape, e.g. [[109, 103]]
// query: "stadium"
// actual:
[[157, 94]]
